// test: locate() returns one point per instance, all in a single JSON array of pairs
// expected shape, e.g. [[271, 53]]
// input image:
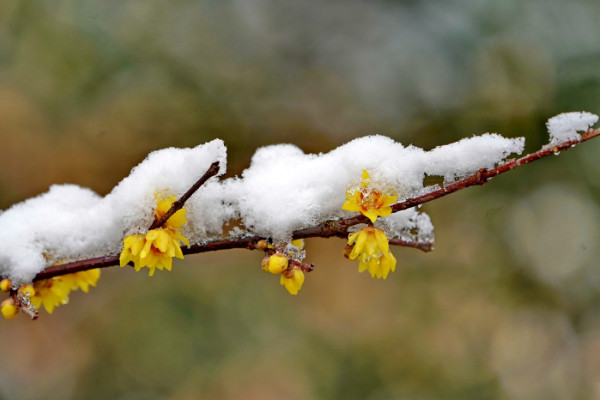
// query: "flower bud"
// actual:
[[27, 291], [9, 308], [5, 285], [277, 263]]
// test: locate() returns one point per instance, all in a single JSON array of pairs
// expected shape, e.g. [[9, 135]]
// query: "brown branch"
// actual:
[[337, 228], [423, 246], [178, 204]]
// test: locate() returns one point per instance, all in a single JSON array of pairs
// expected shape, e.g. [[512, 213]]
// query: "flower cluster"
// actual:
[[55, 291], [292, 276], [156, 249], [370, 245], [47, 292]]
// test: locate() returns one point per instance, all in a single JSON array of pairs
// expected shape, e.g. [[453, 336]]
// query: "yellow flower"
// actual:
[[156, 248], [371, 247], [132, 246], [368, 201], [55, 291], [160, 247], [9, 308], [276, 264], [292, 279]]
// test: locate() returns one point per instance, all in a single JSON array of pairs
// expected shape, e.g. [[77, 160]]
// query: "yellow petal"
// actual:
[[178, 219], [384, 211], [125, 257], [167, 262], [293, 283], [352, 237], [389, 262], [299, 243], [183, 239], [360, 244], [162, 240], [351, 205], [382, 241], [387, 200], [362, 266], [371, 214], [146, 250], [178, 252], [371, 247]]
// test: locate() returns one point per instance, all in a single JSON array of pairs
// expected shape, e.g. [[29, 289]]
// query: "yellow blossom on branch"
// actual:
[[55, 291], [156, 249], [371, 247], [368, 201], [291, 276]]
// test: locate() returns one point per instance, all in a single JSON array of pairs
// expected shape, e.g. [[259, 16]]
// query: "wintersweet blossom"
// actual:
[[156, 248], [55, 291], [370, 202], [371, 247], [292, 279]]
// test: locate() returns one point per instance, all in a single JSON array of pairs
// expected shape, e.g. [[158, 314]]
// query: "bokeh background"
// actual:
[[508, 305]]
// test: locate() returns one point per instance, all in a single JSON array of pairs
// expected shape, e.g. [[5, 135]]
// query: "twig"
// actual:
[[337, 228], [423, 246], [178, 204]]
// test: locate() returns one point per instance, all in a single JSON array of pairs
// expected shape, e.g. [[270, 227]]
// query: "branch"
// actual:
[[178, 204], [338, 228]]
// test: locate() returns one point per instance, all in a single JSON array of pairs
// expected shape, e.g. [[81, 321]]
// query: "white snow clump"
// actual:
[[564, 127]]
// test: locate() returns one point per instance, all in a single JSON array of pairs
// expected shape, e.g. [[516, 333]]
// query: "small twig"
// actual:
[[327, 229], [33, 314], [303, 266], [178, 204], [423, 246]]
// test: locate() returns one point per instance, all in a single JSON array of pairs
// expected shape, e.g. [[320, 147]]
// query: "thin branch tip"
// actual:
[[179, 203]]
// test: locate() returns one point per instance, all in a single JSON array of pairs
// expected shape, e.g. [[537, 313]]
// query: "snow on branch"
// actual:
[[59, 239]]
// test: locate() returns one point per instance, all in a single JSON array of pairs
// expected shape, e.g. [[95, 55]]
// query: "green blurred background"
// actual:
[[508, 305]]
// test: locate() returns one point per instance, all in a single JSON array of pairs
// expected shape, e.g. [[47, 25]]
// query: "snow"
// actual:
[[282, 190], [70, 222], [564, 127]]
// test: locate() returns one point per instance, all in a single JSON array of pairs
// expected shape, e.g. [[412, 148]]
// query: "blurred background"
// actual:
[[506, 307]]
